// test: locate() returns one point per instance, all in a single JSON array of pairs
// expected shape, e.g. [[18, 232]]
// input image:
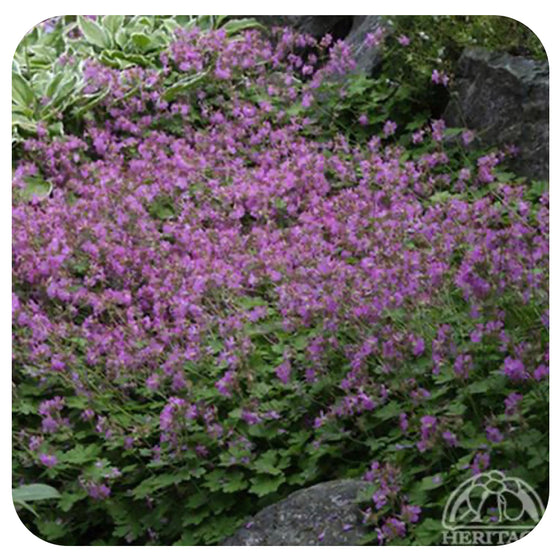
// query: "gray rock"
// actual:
[[505, 99], [368, 59], [317, 26], [324, 514]]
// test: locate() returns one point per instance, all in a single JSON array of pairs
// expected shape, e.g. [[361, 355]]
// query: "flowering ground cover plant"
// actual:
[[234, 277]]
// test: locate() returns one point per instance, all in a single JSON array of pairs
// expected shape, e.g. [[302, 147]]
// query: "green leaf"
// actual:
[[121, 37], [51, 530], [236, 25], [113, 23], [441, 197], [154, 483], [183, 86], [194, 517], [162, 208], [22, 94], [141, 41], [263, 485], [34, 493], [234, 483], [120, 59], [94, 33], [52, 86], [171, 25], [68, 499], [23, 122], [80, 454], [36, 187]]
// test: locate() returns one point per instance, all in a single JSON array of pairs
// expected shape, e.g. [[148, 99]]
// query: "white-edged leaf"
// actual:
[[141, 41], [236, 25], [112, 23], [22, 94], [36, 187], [183, 86], [94, 33]]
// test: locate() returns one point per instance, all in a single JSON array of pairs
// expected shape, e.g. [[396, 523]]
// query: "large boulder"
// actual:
[[324, 514], [505, 99]]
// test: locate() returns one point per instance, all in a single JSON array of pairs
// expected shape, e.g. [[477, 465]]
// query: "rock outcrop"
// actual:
[[324, 514], [504, 99]]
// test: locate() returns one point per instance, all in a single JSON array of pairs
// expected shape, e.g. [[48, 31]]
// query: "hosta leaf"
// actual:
[[183, 86], [141, 41], [42, 54], [236, 25], [120, 59], [23, 122], [22, 94], [36, 187], [94, 33], [112, 23], [171, 25], [121, 37], [52, 86]]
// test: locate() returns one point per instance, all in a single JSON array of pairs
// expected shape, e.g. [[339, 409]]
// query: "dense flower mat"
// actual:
[[218, 299]]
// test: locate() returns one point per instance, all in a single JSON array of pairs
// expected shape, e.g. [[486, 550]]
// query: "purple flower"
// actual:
[[467, 136], [512, 402], [379, 498], [493, 434], [35, 442], [98, 491], [515, 369], [152, 382], [438, 127], [480, 463], [450, 438], [375, 38], [540, 372], [403, 421], [389, 128], [393, 528], [403, 40], [283, 371], [428, 424], [419, 346], [48, 461], [250, 417], [439, 77], [410, 513], [418, 136], [463, 365]]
